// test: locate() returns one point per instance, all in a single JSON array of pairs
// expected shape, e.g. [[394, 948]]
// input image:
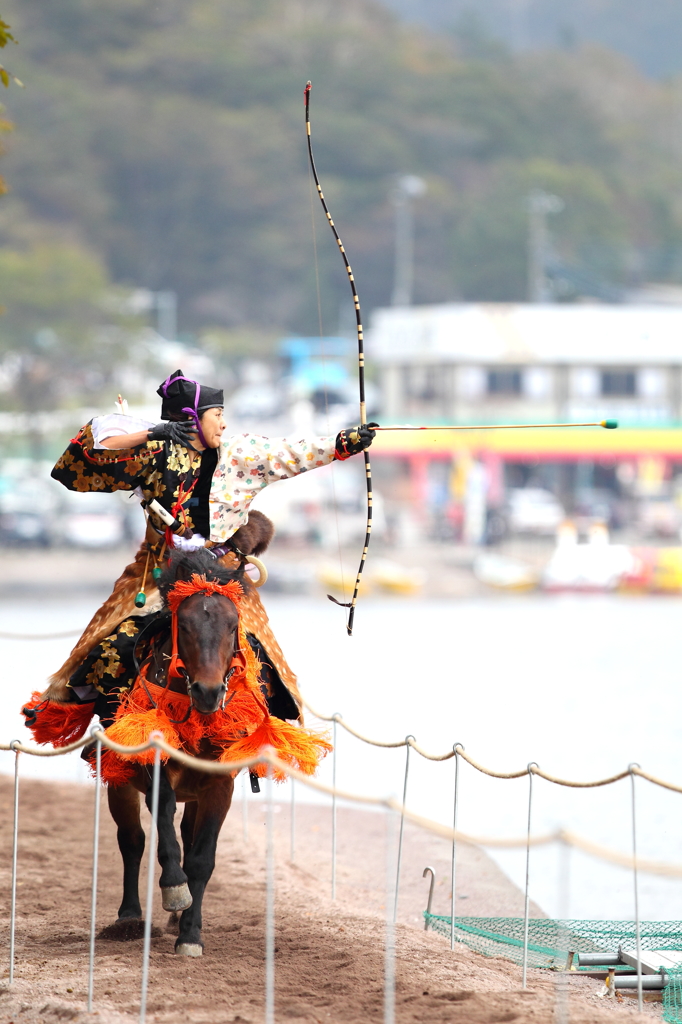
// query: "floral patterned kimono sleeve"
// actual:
[[249, 462], [83, 467]]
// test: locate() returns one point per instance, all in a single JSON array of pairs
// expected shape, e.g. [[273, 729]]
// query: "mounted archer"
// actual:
[[187, 475]]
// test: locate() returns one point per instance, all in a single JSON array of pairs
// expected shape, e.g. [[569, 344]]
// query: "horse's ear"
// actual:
[[184, 570]]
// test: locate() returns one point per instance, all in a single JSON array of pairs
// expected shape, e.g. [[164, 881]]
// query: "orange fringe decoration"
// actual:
[[237, 732], [58, 724]]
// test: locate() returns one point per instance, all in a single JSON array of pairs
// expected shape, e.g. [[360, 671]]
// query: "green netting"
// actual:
[[672, 997], [550, 941]]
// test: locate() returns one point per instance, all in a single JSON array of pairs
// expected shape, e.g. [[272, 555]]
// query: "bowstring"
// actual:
[[324, 378]]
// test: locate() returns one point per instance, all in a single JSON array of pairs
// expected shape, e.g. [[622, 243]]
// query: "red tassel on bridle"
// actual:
[[197, 584]]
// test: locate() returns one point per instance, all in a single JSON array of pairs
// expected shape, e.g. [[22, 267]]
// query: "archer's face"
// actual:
[[212, 426]]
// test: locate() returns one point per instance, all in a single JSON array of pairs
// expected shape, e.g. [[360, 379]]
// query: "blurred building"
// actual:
[[488, 364], [464, 363]]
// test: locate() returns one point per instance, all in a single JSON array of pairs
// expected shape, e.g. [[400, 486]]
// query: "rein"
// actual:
[[180, 591]]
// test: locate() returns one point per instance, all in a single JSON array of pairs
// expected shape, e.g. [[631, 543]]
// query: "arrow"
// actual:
[[607, 424]]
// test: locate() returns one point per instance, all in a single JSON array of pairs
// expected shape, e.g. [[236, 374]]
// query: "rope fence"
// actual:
[[398, 812], [456, 928]]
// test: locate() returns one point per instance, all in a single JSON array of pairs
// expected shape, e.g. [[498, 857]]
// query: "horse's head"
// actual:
[[206, 624]]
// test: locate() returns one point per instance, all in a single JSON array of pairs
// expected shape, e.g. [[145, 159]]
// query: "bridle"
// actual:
[[177, 669]]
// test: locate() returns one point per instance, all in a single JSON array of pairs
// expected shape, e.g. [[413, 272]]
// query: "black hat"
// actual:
[[184, 396]]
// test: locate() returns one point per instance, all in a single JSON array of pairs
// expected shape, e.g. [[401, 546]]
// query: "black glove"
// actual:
[[354, 440], [183, 432]]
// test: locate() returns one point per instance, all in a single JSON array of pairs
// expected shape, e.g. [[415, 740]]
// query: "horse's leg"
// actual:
[[187, 826], [187, 834], [213, 803], [175, 893], [124, 804]]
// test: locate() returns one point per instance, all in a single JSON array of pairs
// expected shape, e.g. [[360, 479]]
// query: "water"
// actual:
[[581, 685]]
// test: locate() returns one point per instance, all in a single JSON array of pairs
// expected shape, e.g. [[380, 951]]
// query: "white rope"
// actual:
[[267, 756]]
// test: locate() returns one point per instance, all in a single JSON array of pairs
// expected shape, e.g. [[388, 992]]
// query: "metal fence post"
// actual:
[[245, 809], [269, 905], [402, 826], [95, 862], [527, 899], [15, 844], [638, 936], [390, 928], [150, 884], [334, 717], [292, 836], [453, 877]]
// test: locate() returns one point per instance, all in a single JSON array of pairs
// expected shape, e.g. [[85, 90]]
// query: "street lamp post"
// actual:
[[540, 205], [409, 187]]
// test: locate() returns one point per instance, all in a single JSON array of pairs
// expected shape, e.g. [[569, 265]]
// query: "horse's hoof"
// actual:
[[189, 949], [176, 897]]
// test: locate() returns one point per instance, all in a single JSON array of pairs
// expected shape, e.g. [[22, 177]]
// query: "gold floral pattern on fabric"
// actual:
[[158, 469], [107, 663], [129, 628]]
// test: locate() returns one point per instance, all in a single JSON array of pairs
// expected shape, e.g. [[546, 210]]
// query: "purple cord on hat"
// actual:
[[194, 413]]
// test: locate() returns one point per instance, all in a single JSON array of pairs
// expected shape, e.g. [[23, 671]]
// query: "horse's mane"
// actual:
[[183, 564]]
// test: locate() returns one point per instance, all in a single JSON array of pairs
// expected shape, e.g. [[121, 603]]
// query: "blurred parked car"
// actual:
[[92, 520], [659, 517], [601, 506], [534, 510], [28, 508]]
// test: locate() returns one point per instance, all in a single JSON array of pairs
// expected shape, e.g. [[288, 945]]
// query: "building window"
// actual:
[[425, 383], [618, 382], [504, 382]]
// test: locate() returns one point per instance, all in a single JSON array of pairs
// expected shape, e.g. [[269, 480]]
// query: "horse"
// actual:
[[182, 691], [207, 642]]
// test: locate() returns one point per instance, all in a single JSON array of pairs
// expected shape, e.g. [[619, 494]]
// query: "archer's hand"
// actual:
[[354, 440], [183, 432]]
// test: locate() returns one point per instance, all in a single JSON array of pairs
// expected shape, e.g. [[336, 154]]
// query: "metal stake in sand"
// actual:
[[453, 876], [389, 931], [562, 1015], [15, 842], [95, 862], [334, 717], [245, 809], [402, 827], [292, 836], [269, 905], [638, 937], [607, 424], [527, 901], [150, 880]]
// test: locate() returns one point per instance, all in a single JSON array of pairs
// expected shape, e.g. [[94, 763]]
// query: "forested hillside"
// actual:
[[649, 33], [163, 145]]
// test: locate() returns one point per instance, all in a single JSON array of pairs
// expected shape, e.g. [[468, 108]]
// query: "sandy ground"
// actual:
[[329, 955]]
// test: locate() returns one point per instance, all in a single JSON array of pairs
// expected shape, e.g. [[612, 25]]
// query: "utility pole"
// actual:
[[540, 205], [166, 304], [409, 187]]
